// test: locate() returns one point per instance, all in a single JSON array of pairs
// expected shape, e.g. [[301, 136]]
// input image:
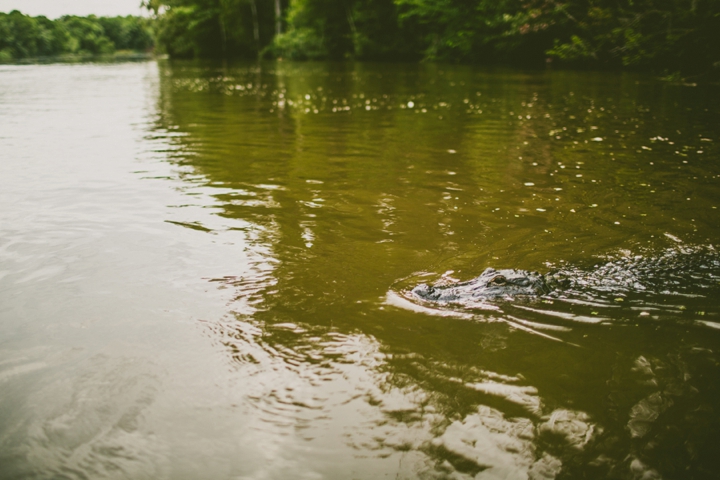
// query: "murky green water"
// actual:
[[206, 272]]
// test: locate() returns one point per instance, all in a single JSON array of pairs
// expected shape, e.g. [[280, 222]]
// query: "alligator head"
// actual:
[[490, 284]]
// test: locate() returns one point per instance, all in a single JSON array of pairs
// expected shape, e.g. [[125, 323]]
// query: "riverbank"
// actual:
[[121, 56]]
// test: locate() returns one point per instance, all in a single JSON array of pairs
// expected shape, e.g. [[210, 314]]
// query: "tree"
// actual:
[[213, 28], [676, 35], [22, 36]]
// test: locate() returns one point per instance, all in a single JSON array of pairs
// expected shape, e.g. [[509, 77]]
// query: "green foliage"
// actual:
[[86, 36], [674, 35], [331, 22], [128, 33], [336, 29], [479, 31], [449, 28], [654, 34], [213, 28], [661, 35], [175, 31], [381, 34], [22, 36], [299, 44], [575, 49]]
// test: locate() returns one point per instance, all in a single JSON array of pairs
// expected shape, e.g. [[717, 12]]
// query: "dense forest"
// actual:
[[22, 36], [671, 36], [661, 35]]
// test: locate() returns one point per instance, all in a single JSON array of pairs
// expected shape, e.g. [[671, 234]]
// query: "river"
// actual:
[[206, 271]]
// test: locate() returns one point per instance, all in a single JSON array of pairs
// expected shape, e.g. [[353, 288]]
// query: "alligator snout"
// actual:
[[490, 284]]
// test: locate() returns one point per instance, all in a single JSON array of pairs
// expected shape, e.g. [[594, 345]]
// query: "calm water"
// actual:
[[205, 272]]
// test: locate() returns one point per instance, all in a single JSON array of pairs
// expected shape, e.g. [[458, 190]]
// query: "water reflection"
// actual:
[[263, 327], [384, 172]]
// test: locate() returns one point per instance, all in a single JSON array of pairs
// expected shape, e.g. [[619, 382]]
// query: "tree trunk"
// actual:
[[256, 25], [278, 18], [223, 34], [353, 30], [348, 13]]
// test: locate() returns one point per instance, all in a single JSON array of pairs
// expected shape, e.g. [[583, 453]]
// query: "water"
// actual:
[[205, 273]]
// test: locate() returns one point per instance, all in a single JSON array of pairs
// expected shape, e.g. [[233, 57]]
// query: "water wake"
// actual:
[[675, 287]]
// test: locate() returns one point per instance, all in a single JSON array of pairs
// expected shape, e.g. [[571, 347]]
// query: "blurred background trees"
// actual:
[[659, 35], [22, 36], [672, 35]]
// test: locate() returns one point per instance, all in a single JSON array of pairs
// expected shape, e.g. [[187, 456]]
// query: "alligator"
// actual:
[[491, 284], [676, 272]]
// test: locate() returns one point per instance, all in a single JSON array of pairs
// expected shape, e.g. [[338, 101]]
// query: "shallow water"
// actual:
[[205, 272]]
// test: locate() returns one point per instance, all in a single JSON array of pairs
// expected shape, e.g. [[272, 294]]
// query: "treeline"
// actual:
[[671, 35], [22, 36]]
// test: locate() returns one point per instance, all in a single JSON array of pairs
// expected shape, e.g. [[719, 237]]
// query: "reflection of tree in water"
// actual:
[[338, 207]]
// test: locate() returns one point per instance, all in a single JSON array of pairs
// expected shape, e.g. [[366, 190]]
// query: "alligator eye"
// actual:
[[498, 280]]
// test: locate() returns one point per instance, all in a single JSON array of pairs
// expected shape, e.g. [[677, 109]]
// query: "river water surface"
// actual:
[[206, 272]]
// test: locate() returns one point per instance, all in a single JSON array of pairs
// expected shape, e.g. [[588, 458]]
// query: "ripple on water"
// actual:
[[676, 287], [324, 386], [92, 427], [299, 192]]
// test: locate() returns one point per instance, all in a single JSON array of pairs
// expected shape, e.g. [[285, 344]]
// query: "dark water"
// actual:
[[205, 273]]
